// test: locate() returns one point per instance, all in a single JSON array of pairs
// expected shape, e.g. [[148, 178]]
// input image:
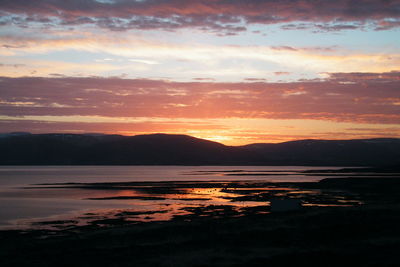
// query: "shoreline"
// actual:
[[330, 235]]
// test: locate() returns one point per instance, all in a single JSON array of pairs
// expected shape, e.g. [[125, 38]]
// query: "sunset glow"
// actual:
[[235, 72]]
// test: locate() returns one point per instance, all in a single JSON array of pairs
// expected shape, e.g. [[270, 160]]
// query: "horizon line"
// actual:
[[179, 134]]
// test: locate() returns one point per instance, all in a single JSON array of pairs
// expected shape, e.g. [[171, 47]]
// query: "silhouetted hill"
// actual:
[[359, 152], [163, 149]]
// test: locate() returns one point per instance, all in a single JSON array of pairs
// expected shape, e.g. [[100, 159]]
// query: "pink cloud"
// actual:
[[281, 73], [368, 76], [349, 97], [213, 15]]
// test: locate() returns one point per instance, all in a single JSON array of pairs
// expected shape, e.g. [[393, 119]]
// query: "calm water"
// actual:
[[23, 199]]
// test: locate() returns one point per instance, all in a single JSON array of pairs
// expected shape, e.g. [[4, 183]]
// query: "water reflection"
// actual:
[[85, 195], [122, 203]]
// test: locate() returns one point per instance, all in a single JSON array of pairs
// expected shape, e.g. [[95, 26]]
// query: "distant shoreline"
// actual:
[[182, 150]]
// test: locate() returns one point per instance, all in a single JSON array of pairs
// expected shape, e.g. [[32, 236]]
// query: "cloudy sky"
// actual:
[[233, 71]]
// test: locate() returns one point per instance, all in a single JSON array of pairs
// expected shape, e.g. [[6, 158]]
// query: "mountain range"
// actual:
[[166, 149]]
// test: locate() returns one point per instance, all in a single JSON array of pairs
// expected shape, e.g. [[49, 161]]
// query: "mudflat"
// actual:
[[351, 221]]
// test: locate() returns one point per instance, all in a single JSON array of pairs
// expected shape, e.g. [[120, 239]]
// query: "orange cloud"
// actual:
[[343, 97]]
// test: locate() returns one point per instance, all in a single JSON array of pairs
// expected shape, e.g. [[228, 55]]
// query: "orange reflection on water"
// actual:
[[211, 193], [163, 201]]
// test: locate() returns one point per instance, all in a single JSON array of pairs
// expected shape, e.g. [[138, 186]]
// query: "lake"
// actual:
[[29, 194]]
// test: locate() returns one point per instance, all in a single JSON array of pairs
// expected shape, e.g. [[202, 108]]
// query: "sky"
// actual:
[[231, 71]]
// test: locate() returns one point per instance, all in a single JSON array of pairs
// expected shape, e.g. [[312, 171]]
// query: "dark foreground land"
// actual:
[[359, 235]]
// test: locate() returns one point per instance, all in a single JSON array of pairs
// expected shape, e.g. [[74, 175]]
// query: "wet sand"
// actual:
[[338, 222]]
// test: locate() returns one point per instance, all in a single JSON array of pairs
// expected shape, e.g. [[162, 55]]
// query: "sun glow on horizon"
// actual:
[[218, 70]]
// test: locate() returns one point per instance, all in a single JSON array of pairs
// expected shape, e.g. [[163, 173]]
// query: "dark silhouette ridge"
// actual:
[[166, 149]]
